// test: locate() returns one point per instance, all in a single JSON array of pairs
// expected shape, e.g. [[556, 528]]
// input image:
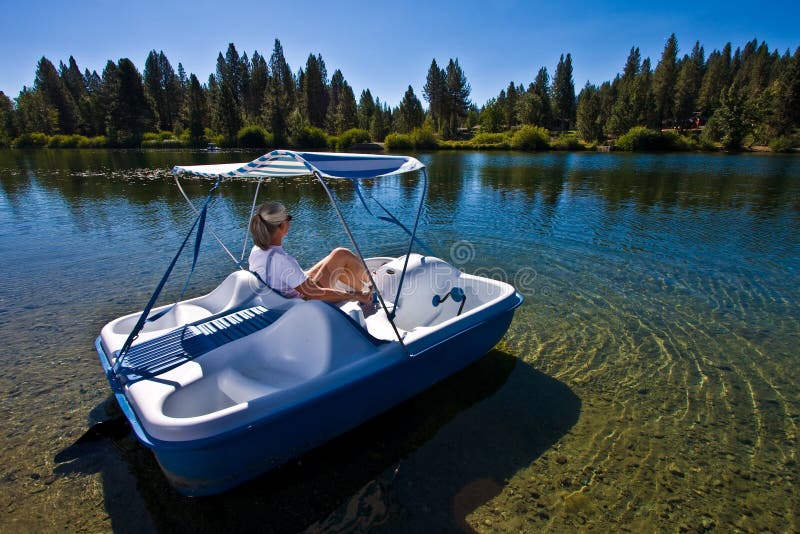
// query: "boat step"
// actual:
[[159, 355]]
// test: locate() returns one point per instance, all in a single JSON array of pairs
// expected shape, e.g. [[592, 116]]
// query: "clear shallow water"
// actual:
[[648, 382]]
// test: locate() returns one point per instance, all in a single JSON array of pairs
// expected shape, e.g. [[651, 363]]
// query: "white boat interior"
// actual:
[[242, 352]]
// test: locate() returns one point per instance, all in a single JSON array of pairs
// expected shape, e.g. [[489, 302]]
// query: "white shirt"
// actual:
[[278, 269]]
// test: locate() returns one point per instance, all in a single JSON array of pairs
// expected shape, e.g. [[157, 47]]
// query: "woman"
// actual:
[[281, 272]]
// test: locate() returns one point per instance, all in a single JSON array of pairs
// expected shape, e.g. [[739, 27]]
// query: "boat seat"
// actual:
[[160, 354]]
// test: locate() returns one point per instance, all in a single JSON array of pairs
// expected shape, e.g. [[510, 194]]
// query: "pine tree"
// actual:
[[228, 110], [93, 112], [334, 96], [410, 113], [492, 117], [378, 127], [230, 71], [256, 88], [687, 86], [435, 93], [106, 96], [347, 110], [366, 108], [130, 114], [541, 87], [780, 102], [607, 95], [716, 78], [458, 90], [646, 98], [243, 68], [229, 116], [34, 114], [76, 84], [73, 79], [153, 88], [564, 93], [510, 105], [664, 79], [7, 129], [733, 118], [624, 113], [530, 108], [315, 91], [212, 92], [196, 111], [163, 88], [57, 96], [279, 97], [588, 113]]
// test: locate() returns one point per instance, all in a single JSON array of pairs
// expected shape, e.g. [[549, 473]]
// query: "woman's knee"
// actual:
[[342, 254]]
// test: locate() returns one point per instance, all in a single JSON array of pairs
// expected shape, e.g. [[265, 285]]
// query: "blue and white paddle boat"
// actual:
[[228, 385]]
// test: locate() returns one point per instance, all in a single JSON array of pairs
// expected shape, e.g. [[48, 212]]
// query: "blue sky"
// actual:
[[383, 46]]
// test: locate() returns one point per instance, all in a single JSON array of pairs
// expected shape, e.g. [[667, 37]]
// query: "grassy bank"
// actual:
[[525, 138]]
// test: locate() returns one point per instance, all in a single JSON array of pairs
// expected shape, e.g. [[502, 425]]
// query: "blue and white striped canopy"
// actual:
[[286, 164]]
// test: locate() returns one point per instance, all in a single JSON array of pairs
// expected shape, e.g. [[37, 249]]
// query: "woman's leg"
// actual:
[[340, 265]]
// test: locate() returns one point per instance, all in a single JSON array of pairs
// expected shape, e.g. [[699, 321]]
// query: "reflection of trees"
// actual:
[[101, 187], [446, 176]]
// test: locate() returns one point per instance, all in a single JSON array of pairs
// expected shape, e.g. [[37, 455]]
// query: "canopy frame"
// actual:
[[289, 164]]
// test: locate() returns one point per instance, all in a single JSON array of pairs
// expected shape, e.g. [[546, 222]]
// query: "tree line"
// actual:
[[729, 96], [259, 101], [124, 107]]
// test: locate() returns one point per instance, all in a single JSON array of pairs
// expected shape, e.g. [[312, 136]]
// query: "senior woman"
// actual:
[[281, 271]]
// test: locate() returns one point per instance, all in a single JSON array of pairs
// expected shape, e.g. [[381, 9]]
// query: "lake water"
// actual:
[[648, 383]]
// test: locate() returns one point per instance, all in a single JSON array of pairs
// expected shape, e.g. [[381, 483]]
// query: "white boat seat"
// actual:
[[160, 354]]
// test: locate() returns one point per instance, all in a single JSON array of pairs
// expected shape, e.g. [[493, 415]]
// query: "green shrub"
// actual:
[[172, 143], [64, 141], [100, 141], [423, 138], [675, 141], [254, 137], [781, 144], [453, 144], [640, 138], [31, 140], [398, 141], [150, 136], [530, 138], [311, 137], [352, 137], [567, 142], [218, 140], [489, 138]]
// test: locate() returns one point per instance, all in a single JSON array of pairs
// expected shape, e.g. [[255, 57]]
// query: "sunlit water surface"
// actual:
[[648, 382]]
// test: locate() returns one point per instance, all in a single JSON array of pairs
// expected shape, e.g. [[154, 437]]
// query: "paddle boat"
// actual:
[[228, 385]]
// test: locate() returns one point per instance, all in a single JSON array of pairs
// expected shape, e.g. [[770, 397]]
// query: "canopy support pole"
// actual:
[[410, 243], [208, 226], [363, 262], [247, 229]]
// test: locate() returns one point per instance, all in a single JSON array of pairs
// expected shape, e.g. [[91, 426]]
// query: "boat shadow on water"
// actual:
[[429, 462]]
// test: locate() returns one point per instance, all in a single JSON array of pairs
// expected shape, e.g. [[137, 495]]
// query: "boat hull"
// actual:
[[212, 465]]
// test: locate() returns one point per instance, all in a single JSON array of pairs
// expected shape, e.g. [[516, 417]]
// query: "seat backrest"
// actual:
[[425, 279]]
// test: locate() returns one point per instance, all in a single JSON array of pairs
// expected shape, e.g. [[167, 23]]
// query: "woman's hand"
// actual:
[[363, 297]]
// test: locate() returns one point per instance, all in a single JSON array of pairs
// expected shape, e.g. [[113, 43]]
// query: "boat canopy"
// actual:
[[287, 164]]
